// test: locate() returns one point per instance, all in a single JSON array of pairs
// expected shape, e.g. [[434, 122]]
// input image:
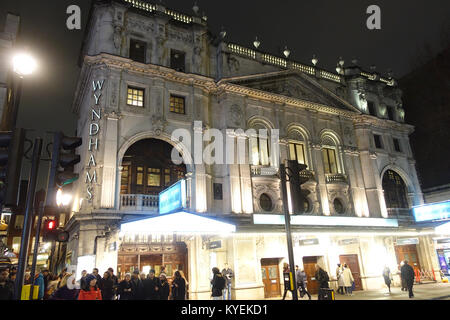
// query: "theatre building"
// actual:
[[147, 71]]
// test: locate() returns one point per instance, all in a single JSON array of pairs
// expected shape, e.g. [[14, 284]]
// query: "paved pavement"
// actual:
[[426, 291]]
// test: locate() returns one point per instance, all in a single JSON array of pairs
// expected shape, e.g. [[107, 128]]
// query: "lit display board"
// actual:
[[325, 221], [173, 198], [432, 212]]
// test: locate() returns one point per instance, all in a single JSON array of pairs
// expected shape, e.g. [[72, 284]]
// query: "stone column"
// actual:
[[245, 177], [316, 151]]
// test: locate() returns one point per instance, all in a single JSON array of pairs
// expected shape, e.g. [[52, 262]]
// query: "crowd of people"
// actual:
[[141, 286]]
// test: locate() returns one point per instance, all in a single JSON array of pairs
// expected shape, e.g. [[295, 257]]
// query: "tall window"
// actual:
[[177, 104], [394, 190], [137, 50], [140, 176], [397, 145], [390, 113], [297, 152], [177, 60], [260, 150], [329, 160], [371, 108], [377, 140], [135, 97]]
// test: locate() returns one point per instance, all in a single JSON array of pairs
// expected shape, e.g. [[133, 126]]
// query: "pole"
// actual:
[[36, 246], [28, 218], [17, 95], [287, 220]]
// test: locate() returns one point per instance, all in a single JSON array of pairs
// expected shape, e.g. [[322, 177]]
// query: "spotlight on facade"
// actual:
[[24, 64], [286, 52], [256, 43], [314, 60]]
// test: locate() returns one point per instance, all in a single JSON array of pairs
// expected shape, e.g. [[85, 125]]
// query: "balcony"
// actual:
[[139, 202], [335, 178], [263, 171]]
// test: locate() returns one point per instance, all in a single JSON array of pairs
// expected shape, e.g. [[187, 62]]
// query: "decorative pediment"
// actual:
[[296, 85]]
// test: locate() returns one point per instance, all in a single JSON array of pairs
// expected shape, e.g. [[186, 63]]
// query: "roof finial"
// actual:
[[223, 33], [195, 8], [314, 60], [286, 52], [256, 43]]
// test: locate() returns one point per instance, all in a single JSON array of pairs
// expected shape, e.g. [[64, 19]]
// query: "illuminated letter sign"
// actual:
[[433, 211], [173, 198]]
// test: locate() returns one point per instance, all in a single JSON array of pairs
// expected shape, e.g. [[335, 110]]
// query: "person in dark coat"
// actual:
[[178, 287], [125, 289], [114, 279], [218, 284], [164, 290], [106, 285], [323, 279], [287, 279], [97, 276], [408, 275], [138, 287], [83, 279], [6, 286], [302, 281], [152, 285]]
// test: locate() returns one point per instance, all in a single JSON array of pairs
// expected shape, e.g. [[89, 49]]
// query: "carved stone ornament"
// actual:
[[146, 27], [158, 123], [117, 36], [235, 116]]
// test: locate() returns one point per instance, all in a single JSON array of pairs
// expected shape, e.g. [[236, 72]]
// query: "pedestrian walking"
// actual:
[[6, 286], [287, 279], [402, 280], [106, 286], [218, 283], [340, 279], [407, 273], [164, 292], [53, 284], [91, 290], [302, 281], [152, 285], [64, 292], [137, 286], [348, 280], [323, 279], [125, 289], [387, 277], [178, 287], [227, 272]]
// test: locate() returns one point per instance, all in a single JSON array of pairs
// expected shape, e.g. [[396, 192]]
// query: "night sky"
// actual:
[[327, 28]]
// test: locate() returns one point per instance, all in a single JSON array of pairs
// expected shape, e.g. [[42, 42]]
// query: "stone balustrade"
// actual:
[[335, 178], [139, 202]]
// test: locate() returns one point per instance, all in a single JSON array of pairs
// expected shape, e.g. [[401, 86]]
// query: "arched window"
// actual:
[[298, 147], [330, 155], [259, 142], [394, 190]]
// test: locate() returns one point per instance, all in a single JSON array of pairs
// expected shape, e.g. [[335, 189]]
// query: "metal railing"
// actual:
[[335, 178], [139, 202]]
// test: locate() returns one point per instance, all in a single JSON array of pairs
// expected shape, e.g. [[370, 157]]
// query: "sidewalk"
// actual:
[[428, 291]]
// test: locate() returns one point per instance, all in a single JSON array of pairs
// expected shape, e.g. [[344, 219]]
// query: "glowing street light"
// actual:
[[63, 199], [24, 64]]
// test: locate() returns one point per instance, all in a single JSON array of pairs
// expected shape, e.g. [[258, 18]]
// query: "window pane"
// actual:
[[177, 104], [326, 163], [332, 159], [135, 97], [264, 151], [140, 176], [153, 177], [255, 153], [300, 154], [292, 152]]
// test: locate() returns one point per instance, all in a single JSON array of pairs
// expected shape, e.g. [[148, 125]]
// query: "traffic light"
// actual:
[[64, 156], [11, 152], [295, 181], [50, 231]]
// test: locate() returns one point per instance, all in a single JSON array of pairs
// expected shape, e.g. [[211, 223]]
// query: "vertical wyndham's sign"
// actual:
[[173, 198], [94, 129]]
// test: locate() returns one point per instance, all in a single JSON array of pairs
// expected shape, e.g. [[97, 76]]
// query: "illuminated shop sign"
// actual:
[[325, 221], [173, 198], [433, 211]]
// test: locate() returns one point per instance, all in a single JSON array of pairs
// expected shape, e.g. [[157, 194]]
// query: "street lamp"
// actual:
[[63, 199], [23, 65]]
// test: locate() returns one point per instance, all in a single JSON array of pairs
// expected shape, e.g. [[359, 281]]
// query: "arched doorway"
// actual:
[[148, 168], [394, 191]]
